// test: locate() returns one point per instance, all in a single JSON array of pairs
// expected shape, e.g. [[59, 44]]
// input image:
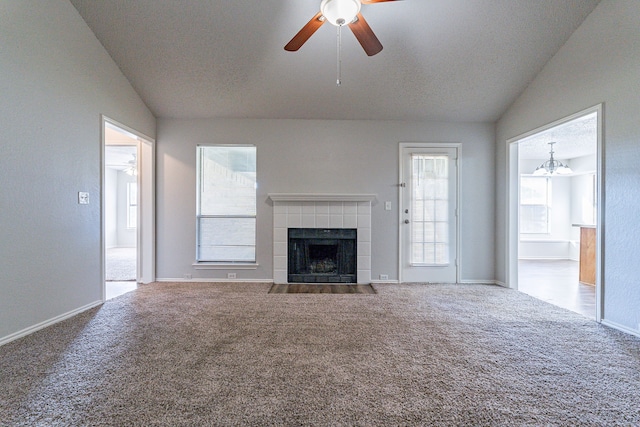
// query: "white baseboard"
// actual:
[[393, 281], [42, 325], [481, 282], [464, 282], [214, 280], [620, 327]]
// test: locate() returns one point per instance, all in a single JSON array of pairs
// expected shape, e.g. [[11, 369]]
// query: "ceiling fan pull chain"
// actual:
[[339, 80]]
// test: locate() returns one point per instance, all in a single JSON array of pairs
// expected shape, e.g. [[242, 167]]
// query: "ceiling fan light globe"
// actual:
[[340, 12]]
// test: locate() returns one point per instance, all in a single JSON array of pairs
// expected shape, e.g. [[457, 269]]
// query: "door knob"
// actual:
[[406, 221]]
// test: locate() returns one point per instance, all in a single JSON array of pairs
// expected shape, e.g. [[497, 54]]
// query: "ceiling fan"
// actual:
[[340, 13]]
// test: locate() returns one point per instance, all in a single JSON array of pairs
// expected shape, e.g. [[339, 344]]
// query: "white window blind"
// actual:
[[226, 211], [430, 209]]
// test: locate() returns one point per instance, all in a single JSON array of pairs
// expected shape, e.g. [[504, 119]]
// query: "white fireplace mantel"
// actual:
[[321, 210], [321, 197]]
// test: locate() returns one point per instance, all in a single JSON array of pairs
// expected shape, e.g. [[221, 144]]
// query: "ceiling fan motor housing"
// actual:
[[340, 12]]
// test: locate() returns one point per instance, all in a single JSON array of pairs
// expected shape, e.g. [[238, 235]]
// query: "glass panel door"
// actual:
[[428, 218]]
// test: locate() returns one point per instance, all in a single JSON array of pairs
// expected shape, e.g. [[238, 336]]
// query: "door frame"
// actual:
[[145, 233], [428, 145], [512, 205]]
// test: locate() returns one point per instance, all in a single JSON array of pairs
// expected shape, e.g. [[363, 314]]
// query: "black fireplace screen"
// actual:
[[322, 255]]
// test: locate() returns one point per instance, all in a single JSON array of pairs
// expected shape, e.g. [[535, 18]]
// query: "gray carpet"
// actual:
[[231, 354], [120, 264]]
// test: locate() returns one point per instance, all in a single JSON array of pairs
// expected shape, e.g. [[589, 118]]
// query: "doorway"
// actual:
[[428, 218], [127, 210], [554, 213]]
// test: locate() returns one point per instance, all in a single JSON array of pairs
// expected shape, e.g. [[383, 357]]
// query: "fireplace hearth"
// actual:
[[322, 255]]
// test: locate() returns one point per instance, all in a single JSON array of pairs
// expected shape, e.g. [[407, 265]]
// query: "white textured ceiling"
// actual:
[[121, 148], [450, 60], [575, 138]]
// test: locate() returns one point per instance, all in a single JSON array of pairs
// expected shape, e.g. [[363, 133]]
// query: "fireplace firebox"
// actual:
[[322, 255]]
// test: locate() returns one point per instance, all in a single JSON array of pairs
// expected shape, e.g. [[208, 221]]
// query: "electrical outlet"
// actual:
[[384, 277], [231, 275], [187, 276]]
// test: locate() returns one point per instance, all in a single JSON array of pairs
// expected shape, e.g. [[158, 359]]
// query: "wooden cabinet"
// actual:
[[588, 255]]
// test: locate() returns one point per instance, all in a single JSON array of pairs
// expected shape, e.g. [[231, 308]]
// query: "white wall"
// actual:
[[599, 63], [307, 156], [56, 80]]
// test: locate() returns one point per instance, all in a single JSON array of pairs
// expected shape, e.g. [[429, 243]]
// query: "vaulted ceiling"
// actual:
[[448, 60]]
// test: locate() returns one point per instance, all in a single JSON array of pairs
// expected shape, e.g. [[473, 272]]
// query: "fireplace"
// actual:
[[321, 211], [322, 255]]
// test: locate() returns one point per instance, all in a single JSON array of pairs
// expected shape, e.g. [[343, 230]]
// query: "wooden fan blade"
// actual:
[[365, 36], [305, 33], [374, 1]]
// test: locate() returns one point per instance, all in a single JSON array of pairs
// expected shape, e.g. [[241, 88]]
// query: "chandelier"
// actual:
[[552, 166], [132, 167]]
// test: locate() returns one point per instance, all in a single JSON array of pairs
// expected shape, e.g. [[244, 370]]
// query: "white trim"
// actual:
[[145, 233], [321, 197], [550, 258], [224, 266], [481, 282], [544, 241], [383, 282], [512, 202], [213, 280], [432, 145], [146, 248], [46, 323], [600, 172], [620, 327]]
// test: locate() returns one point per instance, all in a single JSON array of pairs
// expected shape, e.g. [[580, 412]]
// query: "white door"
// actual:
[[428, 201]]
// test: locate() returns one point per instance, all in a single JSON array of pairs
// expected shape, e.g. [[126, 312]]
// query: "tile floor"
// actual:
[[114, 289]]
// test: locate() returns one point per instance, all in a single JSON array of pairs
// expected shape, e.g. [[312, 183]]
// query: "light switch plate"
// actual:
[[387, 206], [83, 198]]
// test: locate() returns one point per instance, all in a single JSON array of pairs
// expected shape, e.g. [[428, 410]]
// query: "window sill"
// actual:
[[543, 241], [225, 265]]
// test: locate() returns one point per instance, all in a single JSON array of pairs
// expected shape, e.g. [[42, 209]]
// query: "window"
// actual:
[[132, 204], [226, 204], [429, 210], [535, 204]]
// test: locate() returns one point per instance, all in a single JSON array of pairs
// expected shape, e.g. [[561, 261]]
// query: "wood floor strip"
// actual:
[[320, 288]]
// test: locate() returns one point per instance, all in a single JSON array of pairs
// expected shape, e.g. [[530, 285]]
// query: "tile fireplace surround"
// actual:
[[295, 210]]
